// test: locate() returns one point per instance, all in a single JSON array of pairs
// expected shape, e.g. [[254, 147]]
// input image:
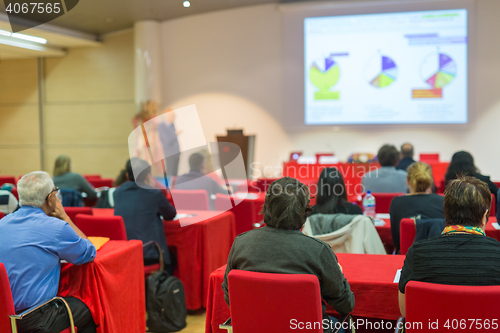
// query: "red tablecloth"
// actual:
[[112, 286], [201, 248], [247, 212], [370, 277]]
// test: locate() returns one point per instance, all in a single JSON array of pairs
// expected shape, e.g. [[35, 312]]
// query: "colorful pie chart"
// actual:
[[381, 71], [438, 70]]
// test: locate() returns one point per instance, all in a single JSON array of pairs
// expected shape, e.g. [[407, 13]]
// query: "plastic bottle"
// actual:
[[369, 205]]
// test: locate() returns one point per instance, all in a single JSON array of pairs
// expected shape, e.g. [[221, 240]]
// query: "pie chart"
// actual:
[[324, 75], [438, 70], [381, 71]]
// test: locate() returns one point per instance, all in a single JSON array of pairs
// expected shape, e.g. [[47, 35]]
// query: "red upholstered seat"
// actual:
[[383, 201], [7, 303], [2, 215], [190, 199], [93, 176], [407, 232], [104, 182], [7, 179], [73, 211], [264, 302], [455, 305], [493, 206], [15, 193], [112, 227], [429, 158]]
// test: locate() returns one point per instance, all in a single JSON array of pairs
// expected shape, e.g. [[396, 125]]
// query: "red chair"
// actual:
[[190, 199], [8, 315], [104, 182], [427, 303], [383, 201], [497, 184], [112, 227], [73, 211], [7, 179], [244, 220], [493, 206], [2, 215], [94, 176], [429, 158], [15, 193], [407, 233], [278, 298]]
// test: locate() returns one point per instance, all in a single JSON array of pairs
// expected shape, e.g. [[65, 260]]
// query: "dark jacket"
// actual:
[[141, 209], [405, 163]]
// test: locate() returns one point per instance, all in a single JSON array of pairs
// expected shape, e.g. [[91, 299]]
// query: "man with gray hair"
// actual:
[[406, 157], [33, 240]]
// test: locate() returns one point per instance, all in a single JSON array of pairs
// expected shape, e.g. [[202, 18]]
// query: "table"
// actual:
[[201, 248], [370, 277], [112, 286], [247, 212]]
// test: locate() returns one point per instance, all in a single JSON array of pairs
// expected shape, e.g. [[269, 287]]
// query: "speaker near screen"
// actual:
[[394, 68]]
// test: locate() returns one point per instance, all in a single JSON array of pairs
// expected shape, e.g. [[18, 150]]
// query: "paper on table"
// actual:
[[379, 223], [98, 241], [495, 225], [181, 216], [250, 196], [397, 277], [383, 216]]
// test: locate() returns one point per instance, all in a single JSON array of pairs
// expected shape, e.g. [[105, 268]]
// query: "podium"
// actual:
[[228, 152]]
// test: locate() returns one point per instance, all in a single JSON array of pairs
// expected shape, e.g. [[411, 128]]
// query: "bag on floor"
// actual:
[[165, 302]]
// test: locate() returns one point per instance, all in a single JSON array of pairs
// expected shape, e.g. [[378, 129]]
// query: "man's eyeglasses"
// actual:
[[56, 189]]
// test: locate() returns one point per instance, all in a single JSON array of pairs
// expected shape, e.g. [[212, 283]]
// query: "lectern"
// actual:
[[227, 153]]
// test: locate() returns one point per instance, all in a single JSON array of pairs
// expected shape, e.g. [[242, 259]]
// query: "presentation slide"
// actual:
[[394, 68]]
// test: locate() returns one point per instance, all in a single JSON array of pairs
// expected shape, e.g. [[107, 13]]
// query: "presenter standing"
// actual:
[[170, 143]]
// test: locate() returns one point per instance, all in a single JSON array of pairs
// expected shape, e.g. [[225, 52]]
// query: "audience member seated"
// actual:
[[420, 203], [462, 164], [106, 199], [332, 194], [386, 179], [196, 179], [462, 254], [406, 157], [33, 240], [142, 208], [65, 179], [285, 249], [8, 202]]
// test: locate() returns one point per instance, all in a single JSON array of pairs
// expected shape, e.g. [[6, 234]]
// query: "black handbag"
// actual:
[[165, 301]]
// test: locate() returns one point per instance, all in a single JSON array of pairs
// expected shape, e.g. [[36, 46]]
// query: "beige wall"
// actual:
[[88, 103]]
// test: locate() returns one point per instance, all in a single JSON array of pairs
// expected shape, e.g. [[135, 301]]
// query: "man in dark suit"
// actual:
[[196, 179], [406, 157], [142, 208]]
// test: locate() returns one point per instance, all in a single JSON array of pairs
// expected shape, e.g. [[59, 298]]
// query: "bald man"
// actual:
[[406, 157]]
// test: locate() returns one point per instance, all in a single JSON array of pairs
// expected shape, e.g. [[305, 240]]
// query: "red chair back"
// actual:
[[278, 297], [428, 302], [6, 301], [7, 179], [73, 211], [429, 158], [497, 184], [407, 233], [493, 210], [383, 201], [190, 199], [94, 176], [15, 193], [112, 227], [104, 182], [244, 220], [2, 215]]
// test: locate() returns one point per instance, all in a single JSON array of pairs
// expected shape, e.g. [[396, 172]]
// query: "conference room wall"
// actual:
[[88, 105], [238, 53], [19, 130]]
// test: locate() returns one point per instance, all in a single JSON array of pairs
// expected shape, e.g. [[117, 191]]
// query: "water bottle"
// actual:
[[369, 205]]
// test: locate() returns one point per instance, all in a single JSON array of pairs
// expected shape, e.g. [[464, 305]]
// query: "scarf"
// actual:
[[463, 228]]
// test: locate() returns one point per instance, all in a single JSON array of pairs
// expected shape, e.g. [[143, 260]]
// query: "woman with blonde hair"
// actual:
[[65, 179], [419, 203]]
